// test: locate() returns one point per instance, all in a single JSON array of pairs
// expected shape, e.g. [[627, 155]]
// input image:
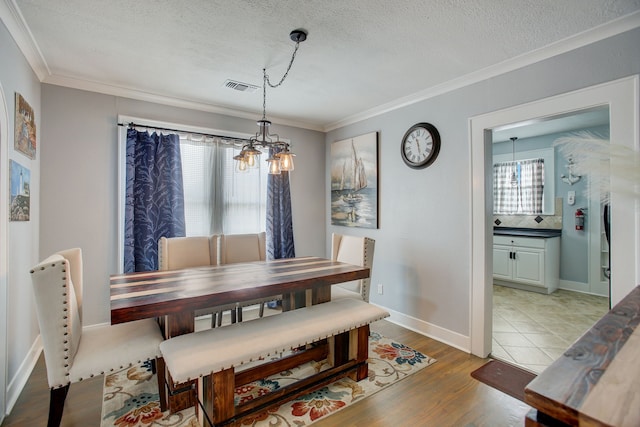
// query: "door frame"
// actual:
[[4, 244], [622, 98]]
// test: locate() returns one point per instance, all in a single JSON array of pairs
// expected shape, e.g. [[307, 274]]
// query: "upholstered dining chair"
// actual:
[[175, 253], [246, 248], [357, 251], [71, 353]]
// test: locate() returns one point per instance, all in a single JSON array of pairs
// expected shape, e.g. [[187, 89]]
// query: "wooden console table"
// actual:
[[596, 382]]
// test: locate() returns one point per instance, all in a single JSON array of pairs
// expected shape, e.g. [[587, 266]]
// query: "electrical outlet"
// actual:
[[380, 289]]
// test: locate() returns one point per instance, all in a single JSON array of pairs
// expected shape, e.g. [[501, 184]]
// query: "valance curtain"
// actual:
[[279, 217], [154, 204], [526, 196]]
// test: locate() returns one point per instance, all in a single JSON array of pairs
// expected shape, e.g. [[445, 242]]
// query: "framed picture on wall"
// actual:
[[20, 199], [25, 128], [354, 181]]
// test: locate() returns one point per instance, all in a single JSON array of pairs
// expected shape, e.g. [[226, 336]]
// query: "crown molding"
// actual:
[[128, 92], [14, 21], [12, 17], [601, 32]]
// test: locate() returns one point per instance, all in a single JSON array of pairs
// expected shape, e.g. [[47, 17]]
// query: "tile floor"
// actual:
[[532, 330]]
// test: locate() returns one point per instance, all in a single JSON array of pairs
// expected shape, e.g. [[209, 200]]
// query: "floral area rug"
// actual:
[[130, 396]]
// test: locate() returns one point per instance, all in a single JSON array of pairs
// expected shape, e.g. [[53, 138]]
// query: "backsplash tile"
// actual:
[[553, 222]]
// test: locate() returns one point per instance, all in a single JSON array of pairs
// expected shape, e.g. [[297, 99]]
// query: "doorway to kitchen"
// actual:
[[621, 96], [546, 293]]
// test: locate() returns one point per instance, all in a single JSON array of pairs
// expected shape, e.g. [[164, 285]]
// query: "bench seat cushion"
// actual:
[[197, 354]]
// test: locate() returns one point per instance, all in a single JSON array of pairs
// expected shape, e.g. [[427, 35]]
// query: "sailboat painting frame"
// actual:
[[354, 181]]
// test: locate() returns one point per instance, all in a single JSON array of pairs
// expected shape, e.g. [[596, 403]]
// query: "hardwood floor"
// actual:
[[443, 394]]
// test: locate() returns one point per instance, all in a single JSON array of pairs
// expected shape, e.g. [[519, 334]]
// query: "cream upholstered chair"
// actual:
[[357, 251], [245, 248], [175, 253], [71, 353]]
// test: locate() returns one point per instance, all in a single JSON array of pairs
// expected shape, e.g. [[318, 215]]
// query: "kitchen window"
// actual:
[[518, 187]]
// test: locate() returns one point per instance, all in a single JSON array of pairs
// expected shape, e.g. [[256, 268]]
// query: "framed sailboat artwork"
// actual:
[[354, 181]]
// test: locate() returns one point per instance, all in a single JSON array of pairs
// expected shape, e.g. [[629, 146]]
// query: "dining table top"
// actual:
[[150, 294]]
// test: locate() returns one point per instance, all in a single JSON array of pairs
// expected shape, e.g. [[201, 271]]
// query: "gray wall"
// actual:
[[80, 180], [423, 244], [23, 237]]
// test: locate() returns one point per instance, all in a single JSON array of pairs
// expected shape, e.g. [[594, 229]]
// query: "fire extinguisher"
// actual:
[[579, 220]]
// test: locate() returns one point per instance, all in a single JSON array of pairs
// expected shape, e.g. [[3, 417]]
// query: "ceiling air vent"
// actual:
[[241, 87]]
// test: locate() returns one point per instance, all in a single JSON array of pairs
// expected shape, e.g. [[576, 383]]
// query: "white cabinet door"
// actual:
[[502, 262], [529, 266]]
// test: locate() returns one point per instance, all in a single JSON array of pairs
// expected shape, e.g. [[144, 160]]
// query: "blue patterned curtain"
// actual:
[[279, 222], [154, 204]]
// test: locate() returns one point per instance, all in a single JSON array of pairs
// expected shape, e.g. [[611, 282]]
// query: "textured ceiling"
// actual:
[[361, 55]]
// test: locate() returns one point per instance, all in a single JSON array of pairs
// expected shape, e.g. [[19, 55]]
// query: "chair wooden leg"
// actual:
[[261, 309], [162, 387], [239, 318], [214, 316], [56, 405], [219, 315], [233, 315]]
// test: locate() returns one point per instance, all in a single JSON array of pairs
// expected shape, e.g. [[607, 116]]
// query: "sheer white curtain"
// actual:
[[217, 199], [531, 185], [505, 195]]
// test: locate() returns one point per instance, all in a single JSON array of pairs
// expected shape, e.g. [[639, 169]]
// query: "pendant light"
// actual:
[[514, 177]]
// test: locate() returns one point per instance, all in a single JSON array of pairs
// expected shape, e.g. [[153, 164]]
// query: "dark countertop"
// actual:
[[543, 233]]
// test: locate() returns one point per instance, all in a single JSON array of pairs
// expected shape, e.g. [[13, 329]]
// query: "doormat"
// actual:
[[505, 377]]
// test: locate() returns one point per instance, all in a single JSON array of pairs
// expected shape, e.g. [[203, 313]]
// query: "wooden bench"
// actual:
[[337, 331]]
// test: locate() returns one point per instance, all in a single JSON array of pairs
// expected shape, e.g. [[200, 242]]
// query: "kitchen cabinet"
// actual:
[[529, 263]]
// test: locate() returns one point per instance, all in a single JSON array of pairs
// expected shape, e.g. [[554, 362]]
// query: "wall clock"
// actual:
[[420, 145]]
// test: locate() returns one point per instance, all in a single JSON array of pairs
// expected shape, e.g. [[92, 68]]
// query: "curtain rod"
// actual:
[[134, 125]]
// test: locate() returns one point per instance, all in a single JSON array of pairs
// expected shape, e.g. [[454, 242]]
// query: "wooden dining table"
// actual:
[[174, 296]]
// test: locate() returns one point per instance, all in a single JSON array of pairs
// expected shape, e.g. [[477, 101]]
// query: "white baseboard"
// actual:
[[570, 285], [581, 287], [445, 336], [21, 377]]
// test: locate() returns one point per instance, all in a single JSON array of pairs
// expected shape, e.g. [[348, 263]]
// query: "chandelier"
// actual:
[[280, 158]]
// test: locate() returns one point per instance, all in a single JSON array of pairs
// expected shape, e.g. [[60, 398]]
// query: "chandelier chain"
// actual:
[[293, 57], [266, 81]]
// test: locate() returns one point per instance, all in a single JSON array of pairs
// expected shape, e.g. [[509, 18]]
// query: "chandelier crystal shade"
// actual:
[[280, 158]]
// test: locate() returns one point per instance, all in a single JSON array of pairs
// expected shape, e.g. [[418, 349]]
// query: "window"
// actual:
[[217, 198], [518, 187]]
